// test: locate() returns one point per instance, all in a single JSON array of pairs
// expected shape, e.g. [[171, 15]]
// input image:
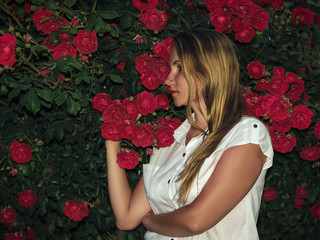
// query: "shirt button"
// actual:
[[184, 154], [255, 125]]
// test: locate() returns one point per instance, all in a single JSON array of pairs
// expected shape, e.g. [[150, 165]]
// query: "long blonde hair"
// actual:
[[208, 59]]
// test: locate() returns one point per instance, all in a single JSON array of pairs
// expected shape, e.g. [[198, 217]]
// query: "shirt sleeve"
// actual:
[[251, 130]]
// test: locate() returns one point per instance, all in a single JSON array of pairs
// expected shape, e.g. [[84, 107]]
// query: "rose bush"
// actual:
[[75, 72]]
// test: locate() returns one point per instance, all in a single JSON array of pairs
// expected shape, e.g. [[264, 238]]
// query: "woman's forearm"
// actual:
[[173, 224], [118, 185]]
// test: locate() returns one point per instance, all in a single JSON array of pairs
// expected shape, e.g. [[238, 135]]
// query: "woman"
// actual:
[[208, 183]]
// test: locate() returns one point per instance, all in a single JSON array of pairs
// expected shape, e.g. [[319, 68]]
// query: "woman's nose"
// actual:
[[169, 80]]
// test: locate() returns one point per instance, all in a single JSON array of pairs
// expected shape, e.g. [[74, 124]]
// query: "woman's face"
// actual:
[[176, 83]]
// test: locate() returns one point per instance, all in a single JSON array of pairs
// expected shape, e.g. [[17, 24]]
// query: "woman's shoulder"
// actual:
[[248, 130]]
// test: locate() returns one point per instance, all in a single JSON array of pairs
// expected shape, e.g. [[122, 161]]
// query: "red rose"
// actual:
[[144, 135], [278, 70], [276, 4], [38, 17], [302, 17], [128, 159], [243, 8], [142, 63], [8, 216], [298, 202], [291, 77], [146, 103], [296, 90], [250, 99], [64, 37], [262, 85], [130, 108], [14, 172], [282, 126], [121, 65], [74, 21], [20, 152], [76, 210], [14, 236], [27, 198], [237, 23], [213, 4], [138, 39], [101, 101], [245, 35], [220, 20], [286, 143], [318, 21], [315, 211], [278, 108], [114, 113], [310, 153], [64, 49], [260, 107], [317, 130], [269, 194], [31, 234], [255, 70], [164, 138], [7, 49], [260, 19], [145, 5], [128, 132], [111, 131], [301, 117], [163, 49], [278, 85], [86, 42], [47, 43], [50, 26], [281, 142], [155, 19], [169, 123], [163, 102], [150, 81], [301, 192], [161, 69]]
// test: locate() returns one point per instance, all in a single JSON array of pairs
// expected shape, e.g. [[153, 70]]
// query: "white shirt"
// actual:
[[166, 163]]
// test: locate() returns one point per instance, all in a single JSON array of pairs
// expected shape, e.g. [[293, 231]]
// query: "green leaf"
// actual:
[[62, 97], [51, 5], [116, 78], [101, 26], [68, 63], [91, 22], [125, 21], [73, 107], [31, 101], [43, 206], [108, 14], [15, 92], [58, 132], [45, 95], [114, 32], [37, 2], [69, 3]]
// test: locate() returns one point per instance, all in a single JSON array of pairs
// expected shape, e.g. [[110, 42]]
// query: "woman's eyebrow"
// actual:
[[176, 61]]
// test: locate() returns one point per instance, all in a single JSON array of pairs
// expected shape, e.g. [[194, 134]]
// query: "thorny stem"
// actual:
[[10, 13], [94, 5]]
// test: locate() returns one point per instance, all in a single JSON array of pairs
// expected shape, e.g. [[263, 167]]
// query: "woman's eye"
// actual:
[[179, 68]]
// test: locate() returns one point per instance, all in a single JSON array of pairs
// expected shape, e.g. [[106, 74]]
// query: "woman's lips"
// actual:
[[170, 91]]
